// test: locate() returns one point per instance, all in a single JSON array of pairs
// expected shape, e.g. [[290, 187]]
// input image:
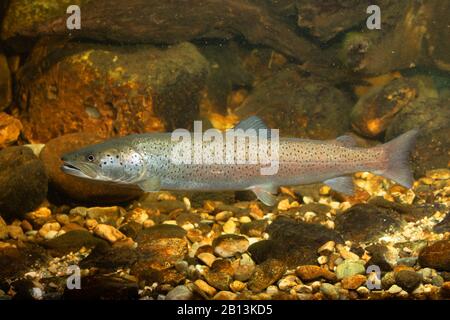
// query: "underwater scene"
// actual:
[[224, 150]]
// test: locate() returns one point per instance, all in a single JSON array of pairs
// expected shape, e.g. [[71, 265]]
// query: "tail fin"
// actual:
[[398, 151]]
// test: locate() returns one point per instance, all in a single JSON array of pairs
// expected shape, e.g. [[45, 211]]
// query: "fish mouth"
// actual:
[[78, 169]]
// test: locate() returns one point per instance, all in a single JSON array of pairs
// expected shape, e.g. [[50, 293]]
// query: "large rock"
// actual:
[[299, 106], [366, 222], [327, 19], [294, 243], [23, 182], [436, 256], [5, 83], [194, 20], [398, 45], [375, 110], [103, 287], [10, 128], [76, 188], [439, 40], [432, 117], [110, 90], [159, 248]]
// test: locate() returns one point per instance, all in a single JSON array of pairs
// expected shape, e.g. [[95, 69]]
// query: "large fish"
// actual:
[[147, 161]]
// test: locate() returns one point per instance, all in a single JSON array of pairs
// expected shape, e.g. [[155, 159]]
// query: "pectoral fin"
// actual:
[[150, 185], [342, 184], [265, 194]]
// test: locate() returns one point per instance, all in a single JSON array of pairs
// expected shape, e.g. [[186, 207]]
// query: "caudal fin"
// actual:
[[397, 152]]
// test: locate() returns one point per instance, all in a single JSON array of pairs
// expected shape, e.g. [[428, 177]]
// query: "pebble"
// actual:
[[312, 272], [225, 295], [363, 292], [223, 215], [26, 226], [237, 286], [349, 268], [109, 233], [244, 268], [228, 245], [51, 234], [353, 282], [329, 291], [229, 227], [49, 226], [346, 254], [394, 289], [207, 258], [322, 259], [180, 292], [327, 248], [388, 280], [408, 280], [245, 219], [205, 287], [15, 232], [90, 224], [266, 274], [288, 282]]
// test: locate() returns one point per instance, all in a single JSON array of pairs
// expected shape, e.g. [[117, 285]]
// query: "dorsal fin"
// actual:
[[346, 141], [252, 122]]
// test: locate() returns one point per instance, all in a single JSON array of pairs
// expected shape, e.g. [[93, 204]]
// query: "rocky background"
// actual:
[[310, 68]]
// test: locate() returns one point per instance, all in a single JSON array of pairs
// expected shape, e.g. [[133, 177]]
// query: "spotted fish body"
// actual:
[[146, 160]]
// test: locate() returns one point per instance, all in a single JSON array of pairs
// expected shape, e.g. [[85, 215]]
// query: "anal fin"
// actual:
[[342, 184], [265, 194]]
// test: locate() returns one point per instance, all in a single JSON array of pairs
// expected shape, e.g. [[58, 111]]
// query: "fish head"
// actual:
[[104, 162]]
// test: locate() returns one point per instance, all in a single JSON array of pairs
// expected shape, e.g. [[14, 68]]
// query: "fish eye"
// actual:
[[90, 157]]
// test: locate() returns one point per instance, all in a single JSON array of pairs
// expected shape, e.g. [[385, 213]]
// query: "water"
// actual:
[[71, 77]]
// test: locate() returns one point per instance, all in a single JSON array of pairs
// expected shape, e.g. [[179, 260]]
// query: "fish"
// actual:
[[146, 161]]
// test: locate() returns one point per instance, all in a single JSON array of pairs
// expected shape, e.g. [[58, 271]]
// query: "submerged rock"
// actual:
[[161, 87], [432, 117], [104, 288], [375, 110], [5, 84], [294, 243], [73, 241], [365, 222], [299, 106], [10, 128], [77, 188], [265, 274], [23, 182], [436, 256]]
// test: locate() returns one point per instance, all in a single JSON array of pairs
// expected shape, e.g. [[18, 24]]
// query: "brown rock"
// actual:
[[5, 84], [23, 182], [161, 246], [10, 128], [436, 256], [299, 106], [230, 244], [207, 19], [162, 87], [109, 233], [445, 289], [311, 272], [76, 188], [375, 110], [265, 274], [353, 282]]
